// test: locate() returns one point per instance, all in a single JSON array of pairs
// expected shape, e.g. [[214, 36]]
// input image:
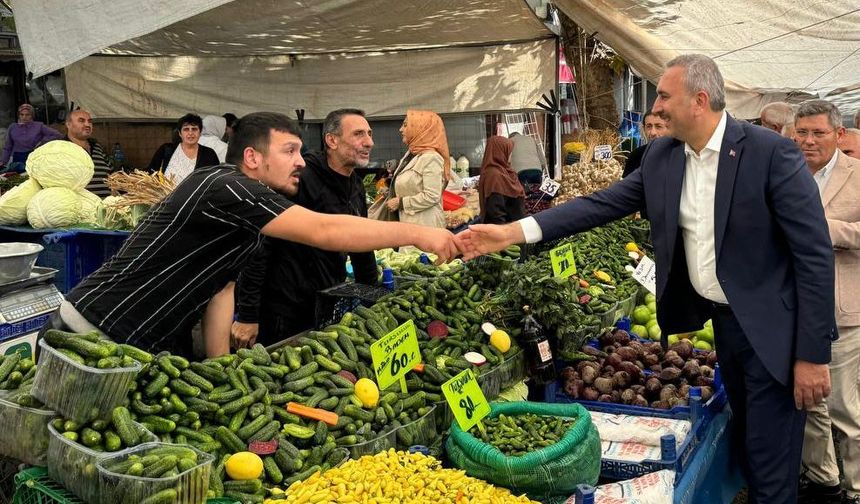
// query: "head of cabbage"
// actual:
[[60, 164], [13, 203], [89, 207], [55, 207]]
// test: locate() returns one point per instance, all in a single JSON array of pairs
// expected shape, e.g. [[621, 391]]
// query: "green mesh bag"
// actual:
[[552, 471]]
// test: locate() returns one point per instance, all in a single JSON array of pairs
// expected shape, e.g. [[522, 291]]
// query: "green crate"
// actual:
[[33, 486]]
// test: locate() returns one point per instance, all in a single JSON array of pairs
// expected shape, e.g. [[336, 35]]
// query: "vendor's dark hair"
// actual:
[[254, 130], [650, 112], [230, 118], [189, 119]]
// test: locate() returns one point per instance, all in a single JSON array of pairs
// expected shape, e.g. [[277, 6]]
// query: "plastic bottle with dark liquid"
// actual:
[[538, 351]]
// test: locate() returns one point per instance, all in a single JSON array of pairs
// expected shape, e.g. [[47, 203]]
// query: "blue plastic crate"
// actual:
[[74, 253]]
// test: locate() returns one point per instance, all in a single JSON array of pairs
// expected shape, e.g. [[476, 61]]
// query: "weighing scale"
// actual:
[[25, 306]]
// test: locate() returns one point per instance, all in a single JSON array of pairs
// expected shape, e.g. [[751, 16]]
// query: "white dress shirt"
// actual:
[[696, 216], [823, 175]]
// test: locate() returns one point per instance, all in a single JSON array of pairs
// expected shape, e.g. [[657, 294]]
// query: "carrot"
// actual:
[[419, 368], [312, 413]]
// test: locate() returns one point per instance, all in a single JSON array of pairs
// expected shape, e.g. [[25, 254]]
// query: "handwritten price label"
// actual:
[[394, 355], [603, 153], [563, 262], [466, 400], [549, 186], [646, 274]]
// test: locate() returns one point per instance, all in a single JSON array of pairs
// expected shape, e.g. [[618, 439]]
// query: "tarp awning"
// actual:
[[767, 50]]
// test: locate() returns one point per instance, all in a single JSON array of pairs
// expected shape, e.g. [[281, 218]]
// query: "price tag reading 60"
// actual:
[[466, 400], [394, 355]]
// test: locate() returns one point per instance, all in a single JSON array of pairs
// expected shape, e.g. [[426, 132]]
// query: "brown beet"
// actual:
[[653, 386], [590, 394], [603, 385], [654, 348], [673, 359], [605, 398], [627, 396], [676, 401], [691, 369], [684, 391], [621, 336], [704, 381], [606, 339], [638, 389], [706, 371], [585, 364], [614, 360], [621, 379], [569, 373], [657, 368], [670, 374], [574, 388], [638, 347], [660, 405], [639, 400], [607, 371], [684, 349], [668, 392], [707, 393], [590, 350], [616, 396], [609, 349], [712, 359], [627, 354], [589, 374], [650, 359], [633, 370]]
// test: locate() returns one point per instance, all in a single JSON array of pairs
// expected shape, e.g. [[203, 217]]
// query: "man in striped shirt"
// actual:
[[79, 127], [187, 248]]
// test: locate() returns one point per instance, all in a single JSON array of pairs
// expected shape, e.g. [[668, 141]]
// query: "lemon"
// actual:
[[500, 340], [631, 247], [244, 466], [367, 392]]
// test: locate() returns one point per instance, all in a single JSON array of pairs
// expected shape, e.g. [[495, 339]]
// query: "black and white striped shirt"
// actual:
[[186, 249]]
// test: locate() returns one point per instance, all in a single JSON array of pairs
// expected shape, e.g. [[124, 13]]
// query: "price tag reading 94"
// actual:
[[466, 400], [394, 355], [563, 262]]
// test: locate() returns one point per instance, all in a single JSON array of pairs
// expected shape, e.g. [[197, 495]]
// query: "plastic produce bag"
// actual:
[[552, 471]]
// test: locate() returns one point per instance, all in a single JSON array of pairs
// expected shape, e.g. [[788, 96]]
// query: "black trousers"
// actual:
[[768, 430]]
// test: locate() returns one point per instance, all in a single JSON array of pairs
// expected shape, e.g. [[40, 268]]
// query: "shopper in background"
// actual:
[[818, 130], [748, 249], [417, 183], [180, 159], [231, 124], [850, 143], [655, 127], [214, 129], [23, 137], [776, 116], [79, 130], [277, 289], [528, 161], [500, 192]]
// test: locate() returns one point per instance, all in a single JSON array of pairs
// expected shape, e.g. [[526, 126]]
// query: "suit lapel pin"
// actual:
[[732, 153]]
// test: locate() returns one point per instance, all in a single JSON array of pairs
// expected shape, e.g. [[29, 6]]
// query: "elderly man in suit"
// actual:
[[818, 131], [740, 236]]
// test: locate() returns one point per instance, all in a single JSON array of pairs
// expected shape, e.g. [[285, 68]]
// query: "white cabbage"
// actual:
[[55, 207], [61, 164], [13, 203]]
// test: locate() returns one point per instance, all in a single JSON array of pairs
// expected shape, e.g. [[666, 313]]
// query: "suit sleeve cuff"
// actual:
[[531, 230]]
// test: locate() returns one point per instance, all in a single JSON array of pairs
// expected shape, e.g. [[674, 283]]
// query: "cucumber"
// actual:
[[166, 496], [212, 371], [260, 356], [180, 452], [329, 403], [273, 472], [123, 424], [135, 353], [267, 433], [160, 467], [194, 435], [318, 348], [183, 388], [229, 440], [237, 419], [298, 385], [166, 365], [315, 399], [224, 397], [245, 486], [112, 441], [298, 431], [327, 364], [196, 380], [320, 433], [293, 358], [154, 387], [253, 426], [358, 413], [302, 372], [158, 424]]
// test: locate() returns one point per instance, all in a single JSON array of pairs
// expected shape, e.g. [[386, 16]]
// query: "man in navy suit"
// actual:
[[739, 236]]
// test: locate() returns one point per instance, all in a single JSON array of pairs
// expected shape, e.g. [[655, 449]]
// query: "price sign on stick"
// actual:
[[394, 355], [646, 274], [466, 400], [603, 153], [563, 262], [549, 186]]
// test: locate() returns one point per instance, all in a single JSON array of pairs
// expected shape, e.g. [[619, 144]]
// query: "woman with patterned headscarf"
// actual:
[[25, 136], [500, 192], [423, 172]]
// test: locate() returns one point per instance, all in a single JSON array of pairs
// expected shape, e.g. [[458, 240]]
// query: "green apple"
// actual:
[[651, 323], [654, 332], [652, 307], [706, 334], [703, 345], [709, 323], [673, 338], [650, 298], [641, 314], [640, 330]]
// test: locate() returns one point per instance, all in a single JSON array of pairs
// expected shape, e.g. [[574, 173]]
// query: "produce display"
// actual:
[[393, 476], [625, 370], [521, 434], [644, 318], [17, 372], [590, 174], [13, 202], [103, 435]]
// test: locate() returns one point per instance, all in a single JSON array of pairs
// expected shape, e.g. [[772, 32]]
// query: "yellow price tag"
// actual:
[[466, 400], [563, 262], [394, 355]]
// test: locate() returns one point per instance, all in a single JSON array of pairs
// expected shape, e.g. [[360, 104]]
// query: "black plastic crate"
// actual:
[[333, 302]]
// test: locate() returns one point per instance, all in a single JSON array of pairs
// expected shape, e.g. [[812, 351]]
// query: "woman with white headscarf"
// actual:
[[214, 128]]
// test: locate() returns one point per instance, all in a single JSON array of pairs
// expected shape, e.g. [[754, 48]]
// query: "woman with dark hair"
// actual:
[[180, 159], [499, 189]]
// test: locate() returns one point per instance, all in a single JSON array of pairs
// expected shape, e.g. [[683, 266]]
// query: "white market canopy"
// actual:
[[767, 50], [163, 58]]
